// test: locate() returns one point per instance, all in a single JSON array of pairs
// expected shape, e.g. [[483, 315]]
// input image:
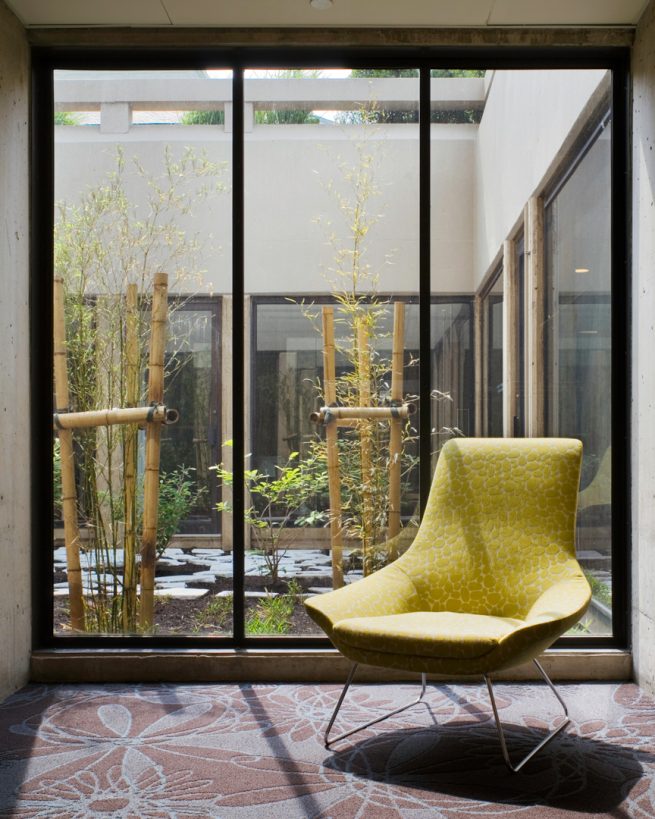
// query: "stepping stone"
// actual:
[[175, 579], [319, 589], [181, 594], [253, 595]]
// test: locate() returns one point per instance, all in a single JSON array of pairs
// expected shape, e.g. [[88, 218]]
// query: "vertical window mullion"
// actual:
[[621, 352], [425, 358], [238, 386]]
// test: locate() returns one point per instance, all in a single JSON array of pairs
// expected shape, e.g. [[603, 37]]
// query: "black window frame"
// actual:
[[47, 59]]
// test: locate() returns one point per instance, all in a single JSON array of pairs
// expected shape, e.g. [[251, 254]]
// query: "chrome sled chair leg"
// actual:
[[545, 741], [329, 742]]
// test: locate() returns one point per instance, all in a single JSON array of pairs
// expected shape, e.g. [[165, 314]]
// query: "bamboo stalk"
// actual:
[[328, 414], [158, 414], [395, 432], [69, 490], [130, 458], [153, 440], [365, 434], [334, 484]]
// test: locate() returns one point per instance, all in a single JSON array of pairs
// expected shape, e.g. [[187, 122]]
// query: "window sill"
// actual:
[[68, 665]]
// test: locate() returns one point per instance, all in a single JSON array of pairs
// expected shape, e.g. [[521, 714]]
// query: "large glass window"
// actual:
[[142, 221], [579, 343], [377, 260], [331, 261]]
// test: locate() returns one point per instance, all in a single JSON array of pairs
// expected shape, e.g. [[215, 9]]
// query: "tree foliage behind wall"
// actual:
[[444, 116]]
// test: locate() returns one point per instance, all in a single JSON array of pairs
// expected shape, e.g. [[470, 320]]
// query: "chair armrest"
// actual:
[[387, 591], [566, 599]]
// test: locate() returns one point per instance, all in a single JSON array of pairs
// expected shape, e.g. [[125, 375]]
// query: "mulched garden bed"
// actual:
[[211, 615]]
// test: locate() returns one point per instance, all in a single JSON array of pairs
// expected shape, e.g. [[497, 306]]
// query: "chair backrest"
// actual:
[[499, 526]]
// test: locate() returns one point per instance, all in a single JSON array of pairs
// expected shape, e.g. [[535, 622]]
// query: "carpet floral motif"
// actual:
[[256, 750]]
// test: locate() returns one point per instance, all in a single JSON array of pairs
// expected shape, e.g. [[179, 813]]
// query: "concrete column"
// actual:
[[115, 117], [15, 597], [643, 340]]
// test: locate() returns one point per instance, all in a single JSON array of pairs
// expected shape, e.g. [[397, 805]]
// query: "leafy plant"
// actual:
[[394, 116], [216, 613], [294, 116], [178, 494], [278, 501], [272, 615], [215, 117], [599, 590], [66, 118]]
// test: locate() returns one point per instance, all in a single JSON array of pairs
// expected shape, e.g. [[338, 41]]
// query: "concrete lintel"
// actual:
[[342, 37], [281, 665]]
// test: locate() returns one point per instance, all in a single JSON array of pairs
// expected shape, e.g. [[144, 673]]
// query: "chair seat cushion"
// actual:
[[444, 634]]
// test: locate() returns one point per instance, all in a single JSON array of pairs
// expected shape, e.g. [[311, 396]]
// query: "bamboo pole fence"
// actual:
[[153, 445], [334, 482], [326, 415], [361, 417], [69, 490], [152, 417], [155, 414], [395, 431], [365, 442], [132, 357]]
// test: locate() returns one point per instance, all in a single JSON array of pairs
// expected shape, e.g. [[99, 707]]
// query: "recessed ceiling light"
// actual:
[[582, 270], [321, 4]]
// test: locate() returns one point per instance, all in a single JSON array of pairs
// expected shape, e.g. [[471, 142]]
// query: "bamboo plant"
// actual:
[[109, 249]]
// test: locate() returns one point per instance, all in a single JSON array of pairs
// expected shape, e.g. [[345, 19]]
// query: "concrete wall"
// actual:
[[643, 290], [527, 123], [15, 598], [293, 177]]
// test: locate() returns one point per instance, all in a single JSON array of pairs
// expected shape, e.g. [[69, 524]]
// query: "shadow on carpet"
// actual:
[[256, 751]]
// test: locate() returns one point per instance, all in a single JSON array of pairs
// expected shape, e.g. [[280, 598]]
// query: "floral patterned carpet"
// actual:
[[256, 751]]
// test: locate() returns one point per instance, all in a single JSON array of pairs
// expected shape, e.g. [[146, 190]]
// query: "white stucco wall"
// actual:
[[15, 597], [527, 118], [291, 213], [643, 340]]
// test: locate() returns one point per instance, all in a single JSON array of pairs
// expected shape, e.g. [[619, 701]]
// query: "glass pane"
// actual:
[[518, 422], [500, 141], [140, 193], [579, 383], [189, 448], [457, 103], [493, 358], [331, 258]]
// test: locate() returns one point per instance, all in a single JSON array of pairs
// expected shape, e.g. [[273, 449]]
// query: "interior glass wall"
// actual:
[[456, 108], [141, 248], [189, 448], [351, 288], [579, 339], [492, 358], [518, 421], [331, 264]]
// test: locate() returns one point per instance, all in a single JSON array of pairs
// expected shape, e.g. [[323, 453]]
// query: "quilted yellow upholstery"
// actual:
[[491, 579]]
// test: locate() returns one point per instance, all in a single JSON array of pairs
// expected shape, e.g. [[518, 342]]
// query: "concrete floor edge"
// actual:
[[285, 665]]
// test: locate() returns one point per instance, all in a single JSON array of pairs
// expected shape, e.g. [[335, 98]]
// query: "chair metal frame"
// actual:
[[503, 744], [353, 668], [545, 740]]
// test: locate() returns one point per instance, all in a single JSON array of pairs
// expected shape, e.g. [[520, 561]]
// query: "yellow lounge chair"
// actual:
[[490, 581]]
